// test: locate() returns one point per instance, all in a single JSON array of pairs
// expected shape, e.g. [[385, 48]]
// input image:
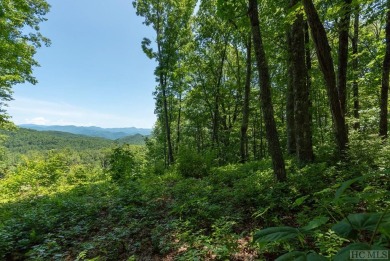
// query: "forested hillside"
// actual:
[[136, 139], [24, 140], [271, 143], [108, 133]]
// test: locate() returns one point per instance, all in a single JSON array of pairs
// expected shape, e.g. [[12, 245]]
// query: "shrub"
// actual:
[[193, 164], [122, 163]]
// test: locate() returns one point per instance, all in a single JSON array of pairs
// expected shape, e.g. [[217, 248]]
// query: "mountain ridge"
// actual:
[[24, 140], [92, 131]]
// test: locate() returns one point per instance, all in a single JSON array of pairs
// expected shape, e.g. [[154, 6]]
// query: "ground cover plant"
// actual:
[[60, 207]]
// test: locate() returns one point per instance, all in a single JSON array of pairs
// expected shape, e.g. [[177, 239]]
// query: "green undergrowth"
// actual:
[[57, 208]]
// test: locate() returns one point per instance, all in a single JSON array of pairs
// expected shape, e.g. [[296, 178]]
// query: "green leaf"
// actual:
[[384, 228], [301, 256], [145, 47], [261, 212], [273, 234], [349, 226], [344, 253], [345, 185], [300, 200], [317, 222]]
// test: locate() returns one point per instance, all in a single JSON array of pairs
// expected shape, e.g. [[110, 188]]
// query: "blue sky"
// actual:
[[94, 73]]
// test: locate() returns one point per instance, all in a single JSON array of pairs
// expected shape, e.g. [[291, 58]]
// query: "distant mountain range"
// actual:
[[24, 140], [107, 133]]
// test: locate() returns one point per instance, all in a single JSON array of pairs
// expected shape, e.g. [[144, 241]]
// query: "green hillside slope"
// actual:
[[24, 140], [136, 139]]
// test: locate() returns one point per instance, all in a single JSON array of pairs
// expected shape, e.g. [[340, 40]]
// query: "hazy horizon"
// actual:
[[72, 125]]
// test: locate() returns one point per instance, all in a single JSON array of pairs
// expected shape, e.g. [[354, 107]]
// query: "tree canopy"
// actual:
[[19, 40], [315, 70]]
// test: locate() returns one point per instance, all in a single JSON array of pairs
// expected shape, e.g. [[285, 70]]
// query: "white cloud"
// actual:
[[44, 121], [25, 110], [38, 121]]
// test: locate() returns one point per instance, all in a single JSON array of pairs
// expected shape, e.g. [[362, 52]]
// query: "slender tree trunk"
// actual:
[[245, 109], [320, 118], [166, 120], [326, 64], [163, 86], [215, 140], [308, 116], [282, 105], [290, 119], [265, 95], [383, 122], [216, 113], [165, 143], [178, 124], [355, 68], [307, 54], [254, 135], [301, 92], [261, 153], [343, 55]]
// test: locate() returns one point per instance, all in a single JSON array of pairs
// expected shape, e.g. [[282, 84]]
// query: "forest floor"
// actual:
[[56, 209]]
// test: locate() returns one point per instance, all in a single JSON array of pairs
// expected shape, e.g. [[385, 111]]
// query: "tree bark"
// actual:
[[216, 112], [355, 68], [308, 116], [163, 85], [166, 120], [326, 64], [254, 135], [304, 149], [343, 55], [290, 119], [383, 122], [265, 94], [245, 109], [178, 124]]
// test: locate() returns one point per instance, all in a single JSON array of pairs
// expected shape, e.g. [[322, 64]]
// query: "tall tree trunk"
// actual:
[[166, 120], [343, 55], [178, 123], [326, 64], [245, 109], [355, 68], [308, 116], [216, 112], [163, 85], [385, 80], [265, 94], [301, 92], [254, 135], [165, 143], [262, 149], [290, 119]]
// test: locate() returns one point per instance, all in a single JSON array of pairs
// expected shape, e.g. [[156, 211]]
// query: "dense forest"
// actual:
[[271, 140]]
